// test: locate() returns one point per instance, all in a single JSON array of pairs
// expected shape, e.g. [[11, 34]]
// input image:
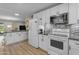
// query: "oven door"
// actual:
[[59, 45]]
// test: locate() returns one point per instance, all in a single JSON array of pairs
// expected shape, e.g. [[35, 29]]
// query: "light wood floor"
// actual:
[[22, 48]]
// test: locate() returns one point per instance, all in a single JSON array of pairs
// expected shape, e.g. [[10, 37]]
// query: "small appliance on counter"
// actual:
[[45, 30], [41, 29], [59, 19]]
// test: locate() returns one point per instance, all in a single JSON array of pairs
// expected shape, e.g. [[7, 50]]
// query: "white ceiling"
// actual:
[[7, 10]]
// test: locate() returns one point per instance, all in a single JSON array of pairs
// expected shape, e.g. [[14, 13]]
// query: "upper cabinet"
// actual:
[[43, 17], [53, 11], [77, 12], [72, 9], [59, 14], [40, 16], [62, 8], [47, 16], [73, 13]]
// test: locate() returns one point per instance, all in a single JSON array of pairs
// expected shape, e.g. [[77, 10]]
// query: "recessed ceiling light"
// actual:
[[16, 14]]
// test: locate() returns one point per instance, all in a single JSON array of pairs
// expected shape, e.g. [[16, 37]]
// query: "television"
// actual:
[[22, 28]]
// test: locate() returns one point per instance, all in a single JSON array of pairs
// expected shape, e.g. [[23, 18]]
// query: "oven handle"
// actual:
[[61, 40]]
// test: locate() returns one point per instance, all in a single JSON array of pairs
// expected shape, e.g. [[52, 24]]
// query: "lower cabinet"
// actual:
[[15, 37], [73, 47], [43, 42]]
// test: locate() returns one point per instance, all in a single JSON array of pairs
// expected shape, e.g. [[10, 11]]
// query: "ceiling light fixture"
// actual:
[[16, 14]]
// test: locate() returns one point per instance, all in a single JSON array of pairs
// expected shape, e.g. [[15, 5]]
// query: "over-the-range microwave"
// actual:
[[59, 19]]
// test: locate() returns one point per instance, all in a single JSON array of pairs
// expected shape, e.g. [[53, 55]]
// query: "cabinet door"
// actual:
[[77, 12], [72, 13], [53, 11], [11, 38], [23, 35], [39, 18], [74, 47], [8, 38], [63, 8], [43, 17], [40, 41], [46, 43], [43, 42], [47, 16]]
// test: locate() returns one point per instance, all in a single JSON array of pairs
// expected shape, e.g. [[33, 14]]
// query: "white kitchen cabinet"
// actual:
[[53, 11], [40, 40], [63, 8], [43, 42], [73, 47], [47, 15], [77, 20], [46, 39], [14, 37], [10, 38], [43, 17], [22, 35], [72, 13], [39, 18]]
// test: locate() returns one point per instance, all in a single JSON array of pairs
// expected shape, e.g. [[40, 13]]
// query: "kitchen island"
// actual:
[[14, 37]]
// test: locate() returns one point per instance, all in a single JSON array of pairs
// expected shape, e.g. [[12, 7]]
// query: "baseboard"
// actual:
[[43, 50], [52, 53], [17, 42]]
